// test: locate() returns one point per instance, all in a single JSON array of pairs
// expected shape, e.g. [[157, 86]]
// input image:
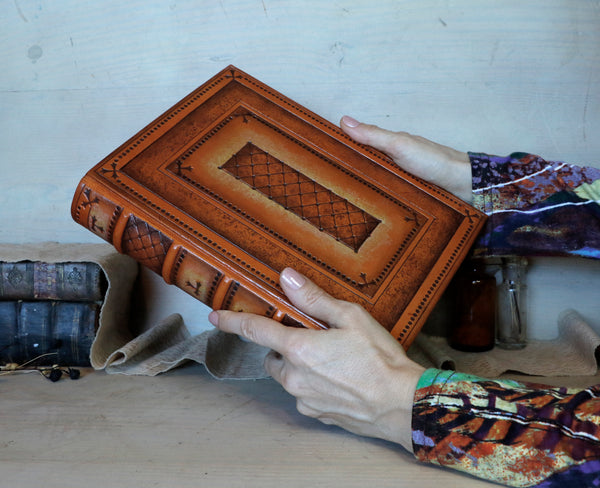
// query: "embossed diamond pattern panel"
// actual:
[[145, 244], [302, 196]]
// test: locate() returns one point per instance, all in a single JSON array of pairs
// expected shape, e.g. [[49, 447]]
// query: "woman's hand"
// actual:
[[354, 375], [441, 165]]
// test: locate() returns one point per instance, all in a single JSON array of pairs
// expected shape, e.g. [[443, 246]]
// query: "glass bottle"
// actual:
[[511, 319], [473, 326]]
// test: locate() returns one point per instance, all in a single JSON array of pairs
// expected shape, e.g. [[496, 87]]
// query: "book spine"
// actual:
[[58, 331], [8, 331], [218, 288], [70, 281]]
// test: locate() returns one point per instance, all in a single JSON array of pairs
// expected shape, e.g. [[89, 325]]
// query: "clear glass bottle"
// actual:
[[473, 326], [511, 317]]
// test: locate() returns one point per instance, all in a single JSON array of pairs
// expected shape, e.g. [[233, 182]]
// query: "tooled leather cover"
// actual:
[[237, 181]]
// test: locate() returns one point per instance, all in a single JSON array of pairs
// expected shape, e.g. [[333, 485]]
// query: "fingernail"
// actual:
[[349, 121], [292, 279], [213, 318]]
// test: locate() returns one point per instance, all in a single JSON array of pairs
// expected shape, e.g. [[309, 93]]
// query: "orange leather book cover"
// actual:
[[236, 181]]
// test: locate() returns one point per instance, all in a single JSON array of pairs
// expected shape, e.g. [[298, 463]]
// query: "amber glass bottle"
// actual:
[[473, 326]]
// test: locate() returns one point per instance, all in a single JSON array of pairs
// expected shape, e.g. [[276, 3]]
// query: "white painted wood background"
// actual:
[[80, 77]]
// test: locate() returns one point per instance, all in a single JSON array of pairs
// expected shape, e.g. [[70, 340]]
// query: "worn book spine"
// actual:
[[55, 332], [29, 280], [165, 251]]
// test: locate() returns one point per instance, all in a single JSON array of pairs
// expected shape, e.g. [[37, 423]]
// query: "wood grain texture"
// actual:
[[79, 78], [186, 429]]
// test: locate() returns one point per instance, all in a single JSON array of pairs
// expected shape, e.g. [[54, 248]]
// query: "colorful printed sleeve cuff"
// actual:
[[536, 207], [509, 432]]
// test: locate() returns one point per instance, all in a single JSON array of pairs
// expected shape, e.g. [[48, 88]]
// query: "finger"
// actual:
[[274, 364], [256, 328], [314, 301], [305, 410], [371, 135]]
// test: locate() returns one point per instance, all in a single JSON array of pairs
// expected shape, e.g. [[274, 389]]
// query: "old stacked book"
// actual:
[[236, 181], [49, 311]]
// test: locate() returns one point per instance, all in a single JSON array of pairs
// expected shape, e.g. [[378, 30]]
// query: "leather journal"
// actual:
[[236, 182]]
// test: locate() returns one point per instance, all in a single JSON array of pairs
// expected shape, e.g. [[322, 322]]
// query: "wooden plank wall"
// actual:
[[79, 77]]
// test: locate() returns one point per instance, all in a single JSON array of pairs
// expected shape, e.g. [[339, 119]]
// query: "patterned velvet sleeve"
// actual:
[[536, 207], [512, 433]]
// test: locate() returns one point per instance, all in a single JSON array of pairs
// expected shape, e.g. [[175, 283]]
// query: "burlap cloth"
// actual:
[[120, 347]]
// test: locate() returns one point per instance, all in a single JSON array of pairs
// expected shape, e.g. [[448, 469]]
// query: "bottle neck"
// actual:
[[513, 269]]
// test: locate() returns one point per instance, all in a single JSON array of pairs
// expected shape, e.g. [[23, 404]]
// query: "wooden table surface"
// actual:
[[182, 429]]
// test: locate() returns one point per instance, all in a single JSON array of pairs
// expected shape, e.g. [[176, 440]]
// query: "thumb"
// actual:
[[314, 301]]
